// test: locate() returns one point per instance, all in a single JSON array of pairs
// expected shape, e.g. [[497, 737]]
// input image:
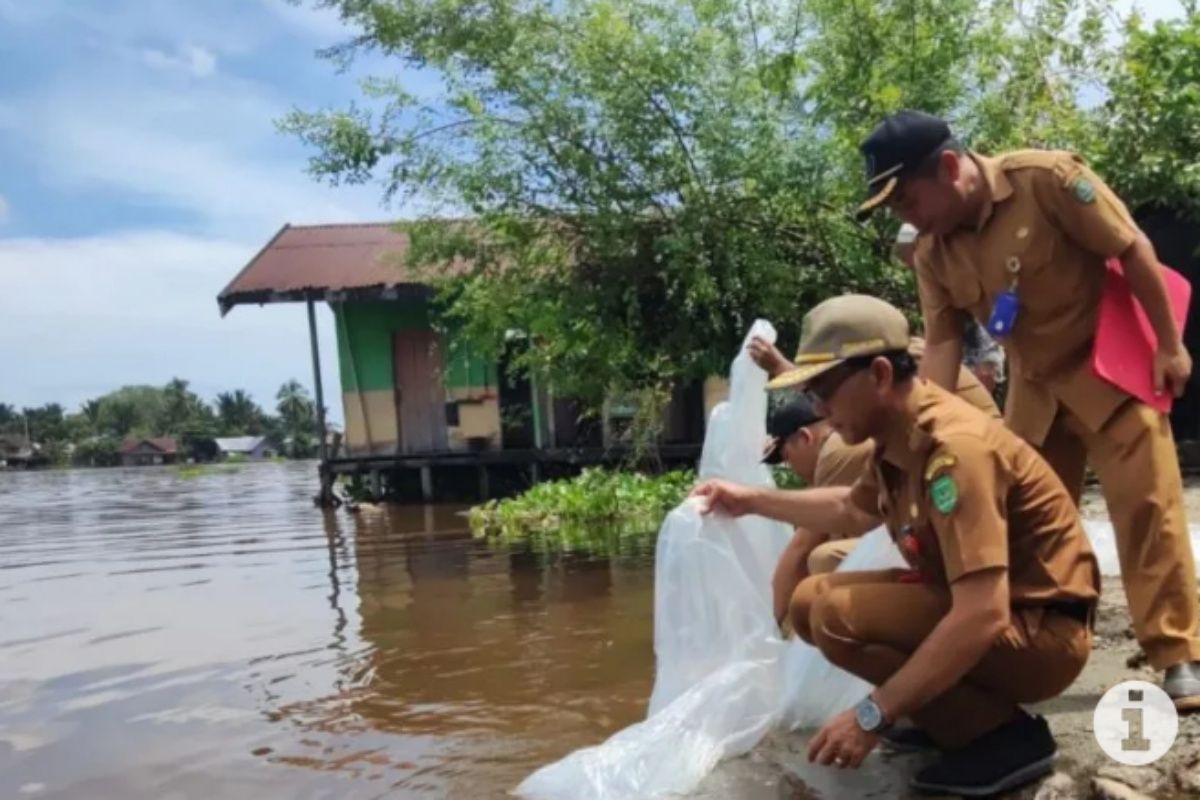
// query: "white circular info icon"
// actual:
[[1135, 723]]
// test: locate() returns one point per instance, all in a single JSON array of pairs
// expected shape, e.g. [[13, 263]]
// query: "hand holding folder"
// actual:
[[1123, 353]]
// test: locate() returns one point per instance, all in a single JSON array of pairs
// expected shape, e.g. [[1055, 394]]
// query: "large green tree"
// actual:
[[1151, 150], [182, 409], [642, 178]]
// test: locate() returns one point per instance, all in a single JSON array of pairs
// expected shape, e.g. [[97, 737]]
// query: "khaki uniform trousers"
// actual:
[[828, 556], [1135, 459], [869, 624]]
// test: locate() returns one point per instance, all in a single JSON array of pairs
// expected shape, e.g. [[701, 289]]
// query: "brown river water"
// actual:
[[166, 636]]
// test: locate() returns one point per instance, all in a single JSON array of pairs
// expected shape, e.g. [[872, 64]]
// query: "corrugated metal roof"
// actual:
[[238, 444], [321, 262]]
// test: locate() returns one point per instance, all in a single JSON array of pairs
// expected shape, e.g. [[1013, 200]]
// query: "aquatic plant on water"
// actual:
[[595, 511]]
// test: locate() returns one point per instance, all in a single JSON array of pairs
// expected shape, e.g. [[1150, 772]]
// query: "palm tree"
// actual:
[[239, 413], [294, 406], [91, 410], [180, 404], [10, 419]]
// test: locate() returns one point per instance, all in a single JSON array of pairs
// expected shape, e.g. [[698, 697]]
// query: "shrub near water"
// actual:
[[598, 511]]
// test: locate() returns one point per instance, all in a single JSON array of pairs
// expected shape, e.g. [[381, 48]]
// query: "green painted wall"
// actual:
[[364, 331]]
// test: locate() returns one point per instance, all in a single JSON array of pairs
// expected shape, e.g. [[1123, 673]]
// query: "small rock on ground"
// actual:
[[1059, 786], [1108, 789]]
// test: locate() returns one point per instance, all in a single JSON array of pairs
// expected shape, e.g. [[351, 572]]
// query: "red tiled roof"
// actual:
[[315, 261], [164, 444]]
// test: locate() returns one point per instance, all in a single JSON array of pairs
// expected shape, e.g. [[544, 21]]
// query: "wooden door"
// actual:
[[420, 396]]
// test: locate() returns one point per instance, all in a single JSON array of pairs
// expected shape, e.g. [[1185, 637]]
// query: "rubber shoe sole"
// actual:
[[1013, 780]]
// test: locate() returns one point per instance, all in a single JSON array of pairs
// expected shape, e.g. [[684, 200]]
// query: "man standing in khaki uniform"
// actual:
[[1020, 242], [995, 609]]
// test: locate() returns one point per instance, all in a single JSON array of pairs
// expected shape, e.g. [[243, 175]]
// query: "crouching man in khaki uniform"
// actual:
[[995, 609], [804, 440]]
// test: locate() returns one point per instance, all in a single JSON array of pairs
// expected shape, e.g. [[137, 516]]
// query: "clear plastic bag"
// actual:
[[723, 678]]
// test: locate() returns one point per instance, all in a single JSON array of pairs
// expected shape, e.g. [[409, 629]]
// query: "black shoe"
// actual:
[[1182, 685], [907, 740], [1001, 760]]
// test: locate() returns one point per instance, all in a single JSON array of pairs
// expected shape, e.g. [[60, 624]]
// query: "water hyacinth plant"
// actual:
[[599, 511]]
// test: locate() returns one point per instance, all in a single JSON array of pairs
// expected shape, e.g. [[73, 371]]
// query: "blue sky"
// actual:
[[142, 169]]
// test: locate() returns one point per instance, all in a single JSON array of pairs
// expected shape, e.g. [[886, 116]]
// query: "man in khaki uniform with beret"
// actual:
[[1020, 242], [995, 608], [814, 451]]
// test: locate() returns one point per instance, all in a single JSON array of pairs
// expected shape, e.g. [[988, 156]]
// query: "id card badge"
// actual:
[[1004, 310], [1004, 314]]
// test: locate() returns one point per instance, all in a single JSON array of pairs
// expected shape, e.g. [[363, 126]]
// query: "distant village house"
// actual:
[[252, 448], [149, 452], [17, 452], [416, 396]]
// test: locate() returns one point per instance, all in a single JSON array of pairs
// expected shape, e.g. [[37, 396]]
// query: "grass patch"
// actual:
[[192, 471]]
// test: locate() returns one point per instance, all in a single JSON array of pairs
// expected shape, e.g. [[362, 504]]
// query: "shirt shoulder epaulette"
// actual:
[[1037, 159]]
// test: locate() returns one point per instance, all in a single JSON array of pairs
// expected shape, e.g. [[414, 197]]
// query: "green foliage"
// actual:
[[93, 436], [297, 420], [10, 419], [97, 451], [1152, 115], [189, 472], [594, 512], [641, 179], [130, 411], [239, 415], [785, 478], [638, 173]]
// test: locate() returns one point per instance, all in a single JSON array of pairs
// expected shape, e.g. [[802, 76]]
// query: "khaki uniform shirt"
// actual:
[[1052, 217], [841, 464], [960, 493]]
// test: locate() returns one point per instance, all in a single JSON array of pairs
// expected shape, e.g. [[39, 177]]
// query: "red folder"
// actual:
[[1123, 353]]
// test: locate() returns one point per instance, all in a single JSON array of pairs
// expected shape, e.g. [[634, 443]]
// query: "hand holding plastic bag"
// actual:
[[724, 678]]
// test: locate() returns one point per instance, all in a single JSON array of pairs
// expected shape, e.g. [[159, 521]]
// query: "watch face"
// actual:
[[868, 714]]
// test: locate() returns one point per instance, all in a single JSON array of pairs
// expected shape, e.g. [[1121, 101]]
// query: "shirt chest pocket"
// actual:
[[1022, 256]]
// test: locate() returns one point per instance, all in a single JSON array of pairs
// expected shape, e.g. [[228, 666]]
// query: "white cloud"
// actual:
[[85, 316], [195, 60], [317, 22], [3, 209], [212, 151]]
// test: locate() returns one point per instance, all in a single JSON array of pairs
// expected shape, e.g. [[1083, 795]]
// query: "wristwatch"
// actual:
[[870, 716]]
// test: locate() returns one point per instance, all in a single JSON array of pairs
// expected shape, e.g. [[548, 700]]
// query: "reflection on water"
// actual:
[[218, 637]]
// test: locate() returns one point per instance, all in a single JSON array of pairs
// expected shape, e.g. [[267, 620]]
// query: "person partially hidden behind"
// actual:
[[820, 457], [996, 607], [800, 438]]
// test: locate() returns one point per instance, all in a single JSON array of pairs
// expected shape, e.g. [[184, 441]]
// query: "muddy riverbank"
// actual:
[[778, 769]]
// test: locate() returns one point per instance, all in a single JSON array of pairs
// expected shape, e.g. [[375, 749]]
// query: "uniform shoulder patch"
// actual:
[[942, 461], [1083, 190], [944, 493]]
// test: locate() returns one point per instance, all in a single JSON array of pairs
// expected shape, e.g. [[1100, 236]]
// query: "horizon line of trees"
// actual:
[[92, 436]]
